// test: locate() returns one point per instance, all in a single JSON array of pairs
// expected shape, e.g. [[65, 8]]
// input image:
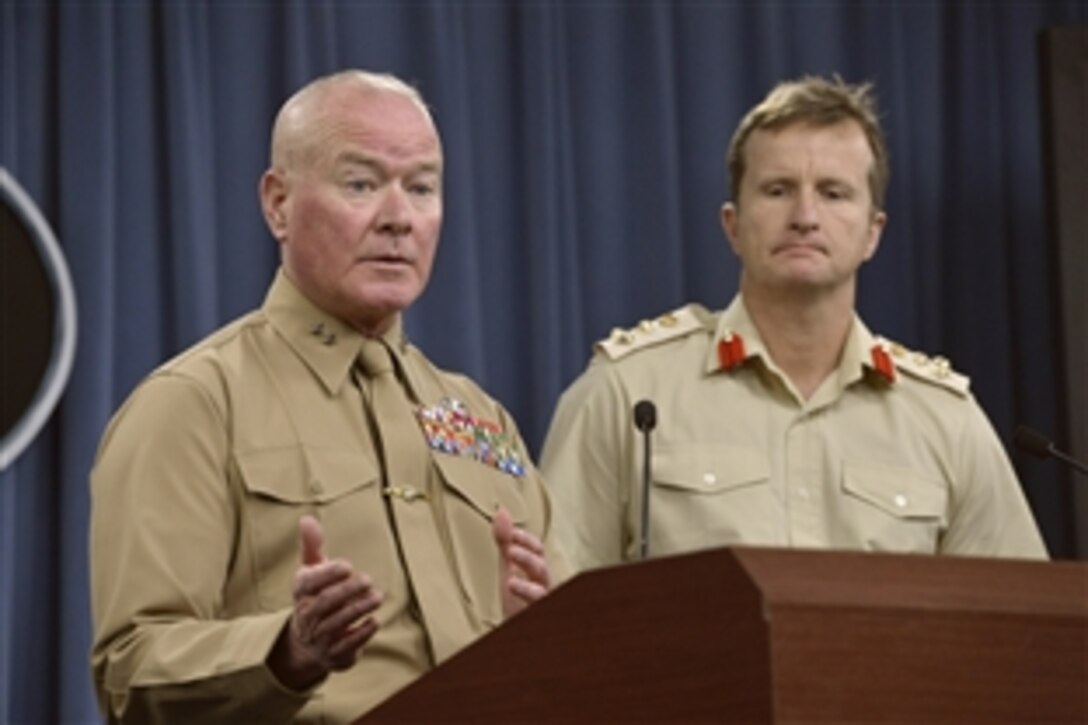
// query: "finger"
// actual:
[[525, 590], [311, 541], [333, 625], [345, 650], [315, 626], [503, 527], [336, 596], [311, 580], [527, 540], [531, 566]]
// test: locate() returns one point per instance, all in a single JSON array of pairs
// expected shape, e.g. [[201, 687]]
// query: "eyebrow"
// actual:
[[792, 179], [836, 181], [353, 158]]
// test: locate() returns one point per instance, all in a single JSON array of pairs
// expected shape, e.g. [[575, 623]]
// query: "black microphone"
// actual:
[[1039, 445], [645, 420]]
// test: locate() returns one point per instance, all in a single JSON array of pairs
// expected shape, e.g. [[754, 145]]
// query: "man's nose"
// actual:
[[394, 211], [803, 215]]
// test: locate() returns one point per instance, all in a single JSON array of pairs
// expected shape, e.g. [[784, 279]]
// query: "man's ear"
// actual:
[[273, 190], [729, 223], [876, 229]]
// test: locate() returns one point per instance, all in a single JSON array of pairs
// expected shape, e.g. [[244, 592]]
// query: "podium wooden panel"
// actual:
[[766, 635]]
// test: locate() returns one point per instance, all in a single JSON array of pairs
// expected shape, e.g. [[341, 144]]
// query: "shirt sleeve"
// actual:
[[989, 515], [163, 528], [585, 464]]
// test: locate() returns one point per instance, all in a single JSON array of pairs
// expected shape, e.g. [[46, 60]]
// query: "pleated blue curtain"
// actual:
[[585, 148]]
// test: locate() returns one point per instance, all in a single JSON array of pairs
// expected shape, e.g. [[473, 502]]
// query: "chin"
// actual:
[[385, 303]]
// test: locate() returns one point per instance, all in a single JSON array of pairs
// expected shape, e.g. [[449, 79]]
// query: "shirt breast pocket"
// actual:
[[707, 494], [474, 492], [894, 508], [281, 485]]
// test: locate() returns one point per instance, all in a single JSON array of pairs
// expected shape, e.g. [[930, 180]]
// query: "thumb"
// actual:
[[503, 528], [311, 541]]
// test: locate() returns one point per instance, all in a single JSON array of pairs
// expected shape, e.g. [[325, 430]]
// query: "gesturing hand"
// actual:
[[524, 575], [332, 618]]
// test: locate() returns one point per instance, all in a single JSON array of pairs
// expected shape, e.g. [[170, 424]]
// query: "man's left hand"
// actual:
[[522, 565]]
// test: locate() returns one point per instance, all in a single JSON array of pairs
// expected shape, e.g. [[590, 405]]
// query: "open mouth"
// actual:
[[390, 259]]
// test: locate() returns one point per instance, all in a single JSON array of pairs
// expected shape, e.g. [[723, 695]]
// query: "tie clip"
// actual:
[[407, 493]]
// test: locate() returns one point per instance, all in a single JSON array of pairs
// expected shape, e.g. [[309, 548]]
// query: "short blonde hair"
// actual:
[[821, 102]]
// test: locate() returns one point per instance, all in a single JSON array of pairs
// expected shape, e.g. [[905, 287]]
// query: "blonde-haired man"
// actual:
[[782, 421]]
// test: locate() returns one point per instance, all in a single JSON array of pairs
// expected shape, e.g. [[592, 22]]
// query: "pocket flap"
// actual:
[[708, 467], [484, 487], [900, 492], [295, 474]]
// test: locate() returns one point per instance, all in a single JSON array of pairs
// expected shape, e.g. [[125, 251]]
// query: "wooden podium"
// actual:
[[768, 635]]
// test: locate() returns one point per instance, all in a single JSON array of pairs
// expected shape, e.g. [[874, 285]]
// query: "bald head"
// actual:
[[301, 128], [354, 196]]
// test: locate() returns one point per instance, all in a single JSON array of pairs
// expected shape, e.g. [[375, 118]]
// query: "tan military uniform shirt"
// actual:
[[199, 484], [891, 453]]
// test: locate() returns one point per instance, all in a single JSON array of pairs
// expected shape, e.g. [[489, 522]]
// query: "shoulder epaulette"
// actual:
[[669, 326], [936, 370]]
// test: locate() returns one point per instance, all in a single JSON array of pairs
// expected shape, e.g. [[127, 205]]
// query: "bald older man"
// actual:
[[301, 514]]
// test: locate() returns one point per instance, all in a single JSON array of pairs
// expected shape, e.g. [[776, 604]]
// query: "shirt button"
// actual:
[[709, 479], [802, 493], [900, 500], [315, 486]]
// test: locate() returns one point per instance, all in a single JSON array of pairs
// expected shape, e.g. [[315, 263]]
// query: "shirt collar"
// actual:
[[736, 329], [863, 355], [326, 344]]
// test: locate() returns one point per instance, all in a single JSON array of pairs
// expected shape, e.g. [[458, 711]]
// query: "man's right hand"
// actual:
[[332, 618]]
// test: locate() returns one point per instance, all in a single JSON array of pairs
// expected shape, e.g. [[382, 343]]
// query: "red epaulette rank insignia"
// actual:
[[882, 363], [731, 351]]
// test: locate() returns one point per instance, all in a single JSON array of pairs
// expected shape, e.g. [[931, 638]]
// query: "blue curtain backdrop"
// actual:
[[584, 144]]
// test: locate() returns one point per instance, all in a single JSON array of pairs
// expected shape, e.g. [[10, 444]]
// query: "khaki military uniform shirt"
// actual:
[[199, 484], [891, 453]]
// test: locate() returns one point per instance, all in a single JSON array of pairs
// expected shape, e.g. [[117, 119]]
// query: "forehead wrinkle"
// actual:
[[809, 156], [334, 135], [354, 158], [375, 146]]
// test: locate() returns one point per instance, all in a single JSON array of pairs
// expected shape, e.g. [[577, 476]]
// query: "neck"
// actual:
[[373, 327], [805, 332]]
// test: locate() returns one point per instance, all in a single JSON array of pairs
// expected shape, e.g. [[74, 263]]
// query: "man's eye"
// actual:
[[775, 190], [361, 186], [422, 189]]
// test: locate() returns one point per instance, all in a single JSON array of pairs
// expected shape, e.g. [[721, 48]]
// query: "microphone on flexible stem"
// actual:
[[1040, 446], [645, 419]]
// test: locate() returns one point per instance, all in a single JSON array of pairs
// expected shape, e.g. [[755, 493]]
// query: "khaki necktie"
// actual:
[[408, 484]]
